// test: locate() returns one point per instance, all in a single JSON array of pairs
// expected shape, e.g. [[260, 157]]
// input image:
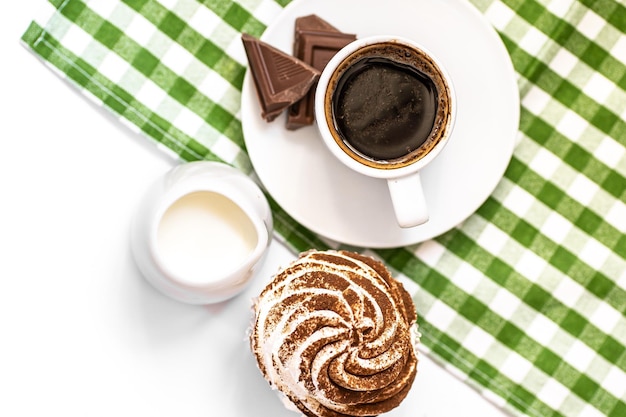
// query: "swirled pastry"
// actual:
[[336, 334]]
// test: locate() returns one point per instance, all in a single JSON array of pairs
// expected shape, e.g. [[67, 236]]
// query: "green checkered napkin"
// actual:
[[526, 300]]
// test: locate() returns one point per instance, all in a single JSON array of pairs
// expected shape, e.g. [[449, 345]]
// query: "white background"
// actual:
[[82, 334]]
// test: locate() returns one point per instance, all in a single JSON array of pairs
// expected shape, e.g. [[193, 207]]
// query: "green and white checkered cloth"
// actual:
[[526, 300]]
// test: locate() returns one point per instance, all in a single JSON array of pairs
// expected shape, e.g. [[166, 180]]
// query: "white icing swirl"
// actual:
[[335, 333]]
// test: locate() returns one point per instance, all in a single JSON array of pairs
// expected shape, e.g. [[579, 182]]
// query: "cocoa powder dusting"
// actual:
[[353, 356]]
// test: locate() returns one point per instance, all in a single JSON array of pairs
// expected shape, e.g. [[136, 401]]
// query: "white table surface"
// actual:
[[82, 333]]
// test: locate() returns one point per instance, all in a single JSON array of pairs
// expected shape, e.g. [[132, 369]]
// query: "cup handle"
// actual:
[[407, 197]]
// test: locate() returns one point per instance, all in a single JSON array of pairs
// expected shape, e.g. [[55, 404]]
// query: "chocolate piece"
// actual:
[[316, 42], [280, 79]]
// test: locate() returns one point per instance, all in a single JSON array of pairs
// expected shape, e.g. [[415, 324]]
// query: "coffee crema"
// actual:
[[388, 105]]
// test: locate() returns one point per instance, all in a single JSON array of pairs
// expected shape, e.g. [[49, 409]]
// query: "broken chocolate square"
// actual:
[[280, 79], [316, 42]]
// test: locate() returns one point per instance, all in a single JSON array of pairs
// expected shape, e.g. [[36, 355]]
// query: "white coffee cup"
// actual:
[[402, 171], [201, 231]]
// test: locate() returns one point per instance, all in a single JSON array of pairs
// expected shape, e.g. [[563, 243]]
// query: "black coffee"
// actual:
[[384, 109]]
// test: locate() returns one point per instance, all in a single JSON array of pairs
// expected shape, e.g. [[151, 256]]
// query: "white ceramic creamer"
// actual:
[[201, 231]]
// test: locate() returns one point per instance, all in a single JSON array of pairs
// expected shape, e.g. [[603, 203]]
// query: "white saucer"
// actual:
[[333, 201]]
